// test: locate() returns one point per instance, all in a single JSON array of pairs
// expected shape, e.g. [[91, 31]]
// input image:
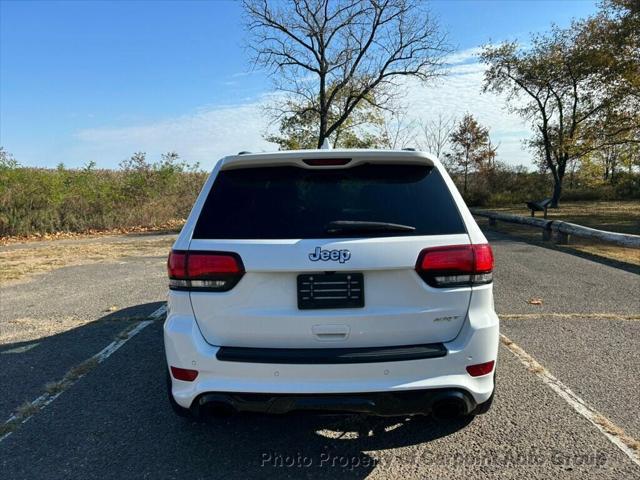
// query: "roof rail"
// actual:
[[409, 149], [244, 152]]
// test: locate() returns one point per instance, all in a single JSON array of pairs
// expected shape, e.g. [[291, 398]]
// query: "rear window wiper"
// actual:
[[339, 226]]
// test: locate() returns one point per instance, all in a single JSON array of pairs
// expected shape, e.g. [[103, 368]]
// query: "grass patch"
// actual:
[[27, 409], [614, 216], [53, 388], [17, 264], [587, 247], [536, 369], [616, 431], [9, 426], [81, 369], [124, 334]]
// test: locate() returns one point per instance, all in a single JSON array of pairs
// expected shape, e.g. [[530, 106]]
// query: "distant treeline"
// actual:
[[143, 194], [503, 185], [38, 200]]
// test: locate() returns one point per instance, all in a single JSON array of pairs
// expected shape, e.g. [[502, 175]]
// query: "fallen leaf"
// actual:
[[534, 301]]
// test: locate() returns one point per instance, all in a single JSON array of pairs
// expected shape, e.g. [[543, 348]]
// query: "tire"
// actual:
[[177, 409]]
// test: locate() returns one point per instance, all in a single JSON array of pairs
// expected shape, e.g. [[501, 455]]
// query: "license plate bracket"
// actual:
[[330, 290]]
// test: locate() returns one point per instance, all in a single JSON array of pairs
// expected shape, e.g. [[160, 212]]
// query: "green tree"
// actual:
[[471, 148], [299, 129], [577, 92]]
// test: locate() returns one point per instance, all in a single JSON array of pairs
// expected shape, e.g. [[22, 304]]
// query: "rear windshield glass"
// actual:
[[292, 202]]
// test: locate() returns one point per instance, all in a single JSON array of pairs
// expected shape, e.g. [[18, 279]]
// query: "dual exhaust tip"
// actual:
[[451, 406]]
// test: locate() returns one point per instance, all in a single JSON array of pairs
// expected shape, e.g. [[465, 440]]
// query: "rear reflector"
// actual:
[[184, 374], [321, 162], [204, 271], [456, 266], [480, 369]]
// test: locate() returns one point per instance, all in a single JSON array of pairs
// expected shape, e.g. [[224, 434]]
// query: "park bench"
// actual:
[[540, 206]]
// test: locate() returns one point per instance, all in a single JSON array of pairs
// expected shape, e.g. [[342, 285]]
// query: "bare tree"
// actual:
[[437, 134], [397, 130], [330, 55]]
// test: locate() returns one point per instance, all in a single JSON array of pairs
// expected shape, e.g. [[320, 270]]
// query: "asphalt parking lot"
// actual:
[[111, 418]]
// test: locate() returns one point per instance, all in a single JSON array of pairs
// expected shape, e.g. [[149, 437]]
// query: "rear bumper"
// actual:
[[373, 403], [185, 347]]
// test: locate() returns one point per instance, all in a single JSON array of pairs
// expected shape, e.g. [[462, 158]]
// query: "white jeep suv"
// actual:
[[331, 280]]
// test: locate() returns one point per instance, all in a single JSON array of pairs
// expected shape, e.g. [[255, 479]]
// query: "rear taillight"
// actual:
[[204, 271], [456, 266]]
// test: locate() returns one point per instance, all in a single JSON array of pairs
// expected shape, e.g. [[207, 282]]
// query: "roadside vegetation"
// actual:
[[578, 87], [140, 194]]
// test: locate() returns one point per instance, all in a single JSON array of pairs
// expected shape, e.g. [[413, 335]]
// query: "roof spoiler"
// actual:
[[324, 159]]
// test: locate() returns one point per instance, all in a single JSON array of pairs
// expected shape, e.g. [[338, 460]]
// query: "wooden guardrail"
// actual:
[[560, 232]]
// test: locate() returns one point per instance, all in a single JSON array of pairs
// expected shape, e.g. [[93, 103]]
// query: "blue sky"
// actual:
[[97, 80]]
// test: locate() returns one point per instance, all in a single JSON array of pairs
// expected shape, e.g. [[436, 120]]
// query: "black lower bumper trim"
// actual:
[[331, 355], [408, 402]]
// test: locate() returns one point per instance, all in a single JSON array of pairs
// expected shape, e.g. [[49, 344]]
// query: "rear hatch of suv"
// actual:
[[327, 254]]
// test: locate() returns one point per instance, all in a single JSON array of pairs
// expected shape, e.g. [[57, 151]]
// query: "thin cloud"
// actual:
[[204, 136], [464, 56], [215, 131]]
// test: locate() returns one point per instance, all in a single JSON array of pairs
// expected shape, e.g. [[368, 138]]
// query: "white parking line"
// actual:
[[45, 399], [159, 312], [22, 349], [615, 434]]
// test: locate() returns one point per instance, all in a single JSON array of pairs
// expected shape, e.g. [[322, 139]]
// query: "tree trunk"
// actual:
[[558, 177], [324, 109], [466, 168], [557, 191], [322, 134], [573, 169], [336, 138], [613, 172]]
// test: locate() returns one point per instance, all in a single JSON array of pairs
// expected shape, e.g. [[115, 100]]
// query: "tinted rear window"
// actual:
[[292, 202]]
